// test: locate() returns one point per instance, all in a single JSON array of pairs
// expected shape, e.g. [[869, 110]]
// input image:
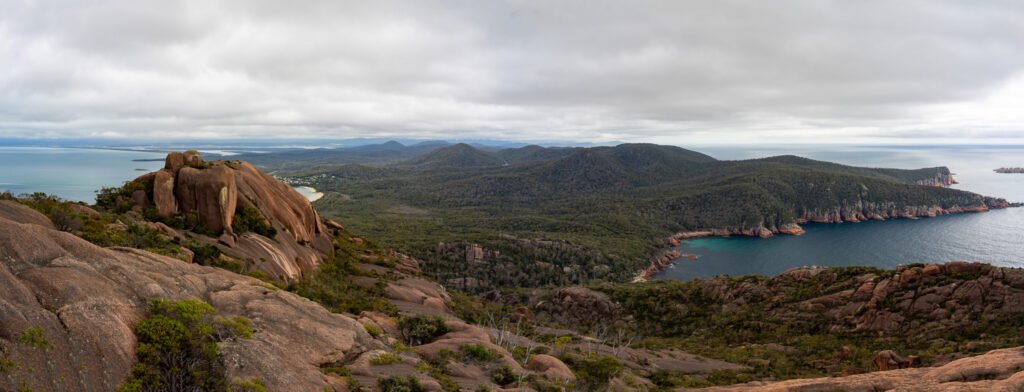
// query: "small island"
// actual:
[[1010, 170]]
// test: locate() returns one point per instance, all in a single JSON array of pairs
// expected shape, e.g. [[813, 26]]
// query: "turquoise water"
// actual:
[[71, 173], [995, 237]]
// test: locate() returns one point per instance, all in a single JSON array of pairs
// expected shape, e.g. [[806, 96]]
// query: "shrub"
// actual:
[[249, 385], [177, 348], [249, 219], [478, 353], [385, 359], [332, 286], [119, 199], [373, 330], [399, 384], [503, 376], [594, 373], [203, 254], [7, 365], [33, 336], [422, 329]]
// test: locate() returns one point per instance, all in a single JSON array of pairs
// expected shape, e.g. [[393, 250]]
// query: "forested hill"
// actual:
[[601, 213]]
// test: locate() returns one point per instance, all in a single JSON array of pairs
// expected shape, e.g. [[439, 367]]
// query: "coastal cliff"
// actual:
[[942, 179]]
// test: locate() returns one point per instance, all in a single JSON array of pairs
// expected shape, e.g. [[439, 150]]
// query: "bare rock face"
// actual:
[[215, 192], [210, 193], [163, 193], [23, 214], [86, 301]]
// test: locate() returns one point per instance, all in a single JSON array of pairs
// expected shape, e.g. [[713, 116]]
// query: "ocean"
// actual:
[[995, 237], [77, 173], [71, 173]]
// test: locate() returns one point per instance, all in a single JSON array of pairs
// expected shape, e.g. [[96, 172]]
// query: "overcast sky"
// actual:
[[680, 72]]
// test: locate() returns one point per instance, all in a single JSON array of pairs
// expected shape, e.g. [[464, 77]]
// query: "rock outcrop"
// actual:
[[86, 300], [215, 193]]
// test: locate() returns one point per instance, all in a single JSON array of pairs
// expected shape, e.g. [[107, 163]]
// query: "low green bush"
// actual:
[[385, 359], [249, 219], [373, 330], [248, 385], [33, 337], [422, 329], [177, 348], [7, 365], [503, 376], [478, 353], [593, 373], [399, 384]]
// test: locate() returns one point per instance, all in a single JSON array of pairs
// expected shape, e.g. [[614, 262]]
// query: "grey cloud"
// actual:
[[648, 70]]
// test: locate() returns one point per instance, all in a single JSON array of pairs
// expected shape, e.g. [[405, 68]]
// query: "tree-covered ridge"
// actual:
[[612, 205]]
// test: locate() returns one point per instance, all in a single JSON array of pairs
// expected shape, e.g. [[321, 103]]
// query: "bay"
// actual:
[[995, 237], [71, 173]]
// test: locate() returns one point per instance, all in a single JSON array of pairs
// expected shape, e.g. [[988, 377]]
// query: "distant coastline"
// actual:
[[1010, 170]]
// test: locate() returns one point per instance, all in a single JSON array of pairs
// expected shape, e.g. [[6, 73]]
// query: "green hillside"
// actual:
[[598, 213]]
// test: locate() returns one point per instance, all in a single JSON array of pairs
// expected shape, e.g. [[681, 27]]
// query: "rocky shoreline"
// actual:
[[838, 215]]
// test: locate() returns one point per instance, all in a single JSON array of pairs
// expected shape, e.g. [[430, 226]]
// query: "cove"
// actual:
[[992, 237]]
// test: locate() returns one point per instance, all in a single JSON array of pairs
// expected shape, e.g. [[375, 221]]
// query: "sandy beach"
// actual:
[[310, 193]]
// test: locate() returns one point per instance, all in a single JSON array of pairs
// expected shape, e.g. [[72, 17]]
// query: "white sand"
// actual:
[[312, 194]]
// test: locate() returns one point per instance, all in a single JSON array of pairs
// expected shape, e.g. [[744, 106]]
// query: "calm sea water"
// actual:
[[76, 173], [71, 173], [995, 237]]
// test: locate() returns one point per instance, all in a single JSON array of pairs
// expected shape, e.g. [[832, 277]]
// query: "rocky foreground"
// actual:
[[86, 300]]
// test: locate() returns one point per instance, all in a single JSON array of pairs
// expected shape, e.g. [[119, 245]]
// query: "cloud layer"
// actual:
[[665, 71]]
